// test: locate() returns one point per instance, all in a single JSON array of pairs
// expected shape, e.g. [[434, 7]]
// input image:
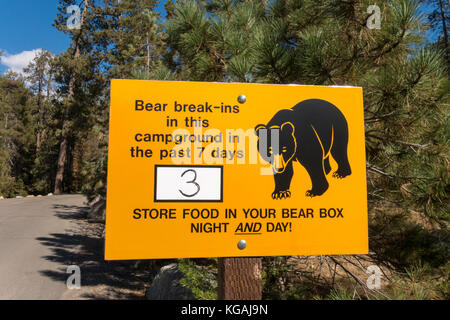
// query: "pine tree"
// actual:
[[80, 85], [17, 139], [126, 42], [70, 63], [39, 75], [212, 40], [126, 36]]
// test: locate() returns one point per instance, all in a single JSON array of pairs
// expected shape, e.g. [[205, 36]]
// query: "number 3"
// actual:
[[193, 182]]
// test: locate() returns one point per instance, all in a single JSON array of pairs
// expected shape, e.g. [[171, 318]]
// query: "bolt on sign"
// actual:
[[200, 169]]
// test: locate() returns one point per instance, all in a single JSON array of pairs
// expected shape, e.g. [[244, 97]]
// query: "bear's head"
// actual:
[[277, 145]]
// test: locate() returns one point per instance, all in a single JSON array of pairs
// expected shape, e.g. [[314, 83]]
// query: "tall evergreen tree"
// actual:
[[126, 42], [72, 65], [17, 139], [40, 77]]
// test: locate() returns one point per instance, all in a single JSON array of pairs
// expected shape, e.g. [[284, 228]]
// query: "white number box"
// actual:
[[184, 183]]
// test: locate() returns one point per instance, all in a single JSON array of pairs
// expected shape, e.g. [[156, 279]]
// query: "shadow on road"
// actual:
[[70, 212], [84, 246]]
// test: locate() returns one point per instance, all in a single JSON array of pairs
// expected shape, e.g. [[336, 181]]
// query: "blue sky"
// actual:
[[25, 27]]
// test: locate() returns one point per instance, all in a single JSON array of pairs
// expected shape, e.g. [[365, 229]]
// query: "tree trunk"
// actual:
[[61, 161], [38, 141], [148, 54], [39, 120], [62, 157]]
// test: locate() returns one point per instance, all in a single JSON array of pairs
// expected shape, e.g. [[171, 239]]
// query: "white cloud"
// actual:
[[16, 62]]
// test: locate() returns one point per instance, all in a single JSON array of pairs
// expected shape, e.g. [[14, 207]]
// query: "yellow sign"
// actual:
[[201, 169]]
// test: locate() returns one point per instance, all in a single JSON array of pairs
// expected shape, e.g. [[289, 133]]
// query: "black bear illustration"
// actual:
[[308, 133]]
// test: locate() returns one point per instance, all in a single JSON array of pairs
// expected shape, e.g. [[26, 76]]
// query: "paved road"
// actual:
[[31, 231]]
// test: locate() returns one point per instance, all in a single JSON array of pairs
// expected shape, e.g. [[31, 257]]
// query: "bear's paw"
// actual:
[[276, 195], [314, 193], [340, 175]]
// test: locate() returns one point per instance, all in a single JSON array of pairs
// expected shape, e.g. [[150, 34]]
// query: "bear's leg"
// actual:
[[326, 165], [310, 154], [339, 153], [283, 182], [312, 160], [318, 180]]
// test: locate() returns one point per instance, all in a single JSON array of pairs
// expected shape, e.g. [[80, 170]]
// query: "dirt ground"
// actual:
[[101, 279]]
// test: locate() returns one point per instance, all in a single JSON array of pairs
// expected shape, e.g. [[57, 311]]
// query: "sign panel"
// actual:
[[200, 169]]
